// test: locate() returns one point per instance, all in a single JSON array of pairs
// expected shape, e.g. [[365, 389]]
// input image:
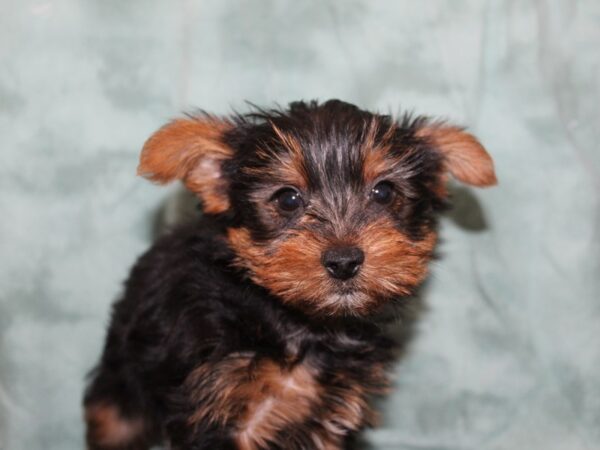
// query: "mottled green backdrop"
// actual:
[[508, 354]]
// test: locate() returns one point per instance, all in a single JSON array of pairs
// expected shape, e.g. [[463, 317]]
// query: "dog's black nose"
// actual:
[[343, 262]]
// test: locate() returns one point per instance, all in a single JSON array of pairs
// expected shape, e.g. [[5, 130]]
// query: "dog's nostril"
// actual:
[[343, 262]]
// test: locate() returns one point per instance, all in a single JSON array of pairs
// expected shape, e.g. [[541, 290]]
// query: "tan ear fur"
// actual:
[[191, 150], [465, 158]]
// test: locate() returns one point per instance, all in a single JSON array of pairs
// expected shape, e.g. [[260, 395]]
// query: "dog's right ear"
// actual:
[[191, 150]]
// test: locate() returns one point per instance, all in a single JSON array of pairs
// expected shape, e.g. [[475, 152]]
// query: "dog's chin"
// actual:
[[347, 302]]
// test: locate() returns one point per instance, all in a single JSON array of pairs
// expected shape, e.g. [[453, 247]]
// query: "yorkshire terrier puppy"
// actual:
[[257, 327]]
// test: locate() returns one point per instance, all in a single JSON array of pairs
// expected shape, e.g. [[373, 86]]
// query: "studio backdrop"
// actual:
[[507, 355]]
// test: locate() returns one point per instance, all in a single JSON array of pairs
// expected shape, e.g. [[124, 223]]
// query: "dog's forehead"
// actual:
[[332, 158], [322, 154]]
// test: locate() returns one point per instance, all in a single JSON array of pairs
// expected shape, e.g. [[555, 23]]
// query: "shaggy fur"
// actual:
[[240, 331]]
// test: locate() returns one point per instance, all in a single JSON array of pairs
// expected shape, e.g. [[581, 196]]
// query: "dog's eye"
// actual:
[[383, 193], [288, 199]]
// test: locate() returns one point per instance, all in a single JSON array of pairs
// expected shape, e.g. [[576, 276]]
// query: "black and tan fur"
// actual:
[[242, 331]]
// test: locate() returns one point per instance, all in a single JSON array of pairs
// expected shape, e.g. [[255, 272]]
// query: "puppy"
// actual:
[[256, 327]]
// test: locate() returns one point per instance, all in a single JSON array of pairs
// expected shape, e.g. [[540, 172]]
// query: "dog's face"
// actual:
[[334, 207]]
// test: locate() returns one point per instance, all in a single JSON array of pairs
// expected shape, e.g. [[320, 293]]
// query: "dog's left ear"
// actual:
[[464, 156], [193, 151]]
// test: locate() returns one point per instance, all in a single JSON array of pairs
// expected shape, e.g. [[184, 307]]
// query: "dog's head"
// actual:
[[334, 208]]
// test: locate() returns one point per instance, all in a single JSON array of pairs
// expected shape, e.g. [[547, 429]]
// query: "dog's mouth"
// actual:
[[346, 287], [348, 300]]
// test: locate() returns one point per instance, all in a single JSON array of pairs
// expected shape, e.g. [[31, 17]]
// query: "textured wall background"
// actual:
[[508, 356]]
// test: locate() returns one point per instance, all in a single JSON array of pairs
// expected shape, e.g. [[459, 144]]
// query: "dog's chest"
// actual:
[[263, 401]]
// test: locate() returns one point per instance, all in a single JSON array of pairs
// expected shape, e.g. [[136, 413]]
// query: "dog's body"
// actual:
[[206, 368], [254, 328]]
